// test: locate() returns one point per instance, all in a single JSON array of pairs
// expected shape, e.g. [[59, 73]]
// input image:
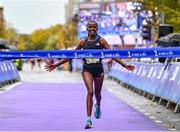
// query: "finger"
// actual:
[[50, 70], [46, 66], [47, 69]]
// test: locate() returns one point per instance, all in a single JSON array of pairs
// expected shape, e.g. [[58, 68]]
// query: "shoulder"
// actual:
[[81, 42], [102, 40], [104, 43]]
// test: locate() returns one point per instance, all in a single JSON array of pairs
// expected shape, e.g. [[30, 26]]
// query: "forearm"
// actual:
[[120, 62], [62, 61]]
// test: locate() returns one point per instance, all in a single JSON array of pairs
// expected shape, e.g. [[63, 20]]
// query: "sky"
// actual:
[[29, 15]]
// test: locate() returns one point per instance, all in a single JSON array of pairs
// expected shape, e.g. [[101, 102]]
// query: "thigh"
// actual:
[[88, 80]]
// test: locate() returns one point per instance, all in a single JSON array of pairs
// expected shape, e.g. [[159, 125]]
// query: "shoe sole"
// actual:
[[88, 127]]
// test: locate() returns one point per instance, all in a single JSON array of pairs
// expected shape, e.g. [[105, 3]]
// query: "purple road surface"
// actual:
[[61, 107]]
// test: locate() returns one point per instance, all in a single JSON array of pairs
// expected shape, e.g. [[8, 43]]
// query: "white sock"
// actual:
[[88, 118]]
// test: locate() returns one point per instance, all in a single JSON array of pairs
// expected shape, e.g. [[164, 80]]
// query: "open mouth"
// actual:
[[92, 32]]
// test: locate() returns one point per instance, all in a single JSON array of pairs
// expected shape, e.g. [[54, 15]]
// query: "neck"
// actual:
[[91, 37]]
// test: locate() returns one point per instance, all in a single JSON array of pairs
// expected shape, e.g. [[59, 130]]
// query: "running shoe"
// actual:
[[88, 124], [97, 112]]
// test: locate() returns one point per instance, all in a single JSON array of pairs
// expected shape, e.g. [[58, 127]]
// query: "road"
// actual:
[[56, 101]]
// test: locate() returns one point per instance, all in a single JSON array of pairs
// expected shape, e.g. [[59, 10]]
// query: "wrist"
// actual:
[[57, 64]]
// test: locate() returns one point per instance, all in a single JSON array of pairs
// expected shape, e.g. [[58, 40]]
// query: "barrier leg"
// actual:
[[118, 81], [139, 92], [149, 95], [153, 98], [128, 87], [160, 101], [134, 90], [176, 108], [131, 88], [125, 85], [167, 105], [144, 94]]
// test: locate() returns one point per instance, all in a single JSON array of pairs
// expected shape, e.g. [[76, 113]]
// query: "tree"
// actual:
[[39, 39], [60, 39], [170, 9], [70, 34], [21, 43]]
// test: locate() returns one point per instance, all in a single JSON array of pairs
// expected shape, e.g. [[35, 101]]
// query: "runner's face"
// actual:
[[92, 28]]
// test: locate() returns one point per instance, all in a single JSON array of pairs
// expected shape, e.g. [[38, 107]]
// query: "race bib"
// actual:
[[92, 60]]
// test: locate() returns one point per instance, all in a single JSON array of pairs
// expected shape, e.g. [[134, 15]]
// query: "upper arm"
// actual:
[[80, 44], [104, 43]]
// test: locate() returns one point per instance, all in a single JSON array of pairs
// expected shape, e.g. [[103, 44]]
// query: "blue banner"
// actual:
[[117, 53]]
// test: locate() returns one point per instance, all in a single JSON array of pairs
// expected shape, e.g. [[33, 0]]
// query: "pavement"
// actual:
[[45, 101]]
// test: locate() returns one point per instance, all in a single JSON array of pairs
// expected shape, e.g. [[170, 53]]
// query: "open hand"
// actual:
[[50, 67], [129, 67]]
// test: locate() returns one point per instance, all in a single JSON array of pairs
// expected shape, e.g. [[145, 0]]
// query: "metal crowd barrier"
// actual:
[[8, 73], [152, 79]]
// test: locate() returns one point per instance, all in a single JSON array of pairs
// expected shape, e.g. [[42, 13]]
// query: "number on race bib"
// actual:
[[92, 60]]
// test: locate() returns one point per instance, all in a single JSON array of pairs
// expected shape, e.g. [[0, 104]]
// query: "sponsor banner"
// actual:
[[76, 54]]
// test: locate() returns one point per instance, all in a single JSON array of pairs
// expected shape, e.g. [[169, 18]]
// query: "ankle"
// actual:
[[89, 118], [98, 105]]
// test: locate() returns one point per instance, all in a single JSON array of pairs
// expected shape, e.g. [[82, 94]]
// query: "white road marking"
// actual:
[[172, 129], [152, 117], [147, 113], [137, 107], [142, 110], [158, 121], [7, 88]]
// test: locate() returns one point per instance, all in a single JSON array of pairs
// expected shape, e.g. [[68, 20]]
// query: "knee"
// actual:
[[90, 93], [98, 95]]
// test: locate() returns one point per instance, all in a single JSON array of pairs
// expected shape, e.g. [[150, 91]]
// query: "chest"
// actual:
[[92, 45]]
